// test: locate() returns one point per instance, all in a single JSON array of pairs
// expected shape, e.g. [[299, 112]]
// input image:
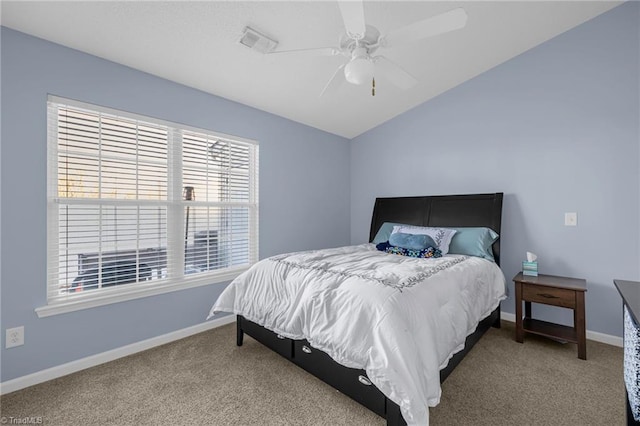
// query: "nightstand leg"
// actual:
[[519, 331], [580, 326]]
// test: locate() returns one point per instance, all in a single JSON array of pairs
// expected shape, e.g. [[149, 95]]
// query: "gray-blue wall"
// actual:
[[556, 130], [304, 195]]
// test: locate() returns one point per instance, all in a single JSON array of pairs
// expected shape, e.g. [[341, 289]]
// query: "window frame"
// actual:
[[175, 211]]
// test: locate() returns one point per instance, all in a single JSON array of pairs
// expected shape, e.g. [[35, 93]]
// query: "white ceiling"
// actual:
[[196, 44]]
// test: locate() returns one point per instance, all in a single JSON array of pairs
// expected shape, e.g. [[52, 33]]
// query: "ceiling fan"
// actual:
[[360, 44]]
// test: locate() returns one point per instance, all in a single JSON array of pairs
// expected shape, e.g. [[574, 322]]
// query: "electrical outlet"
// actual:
[[14, 337], [571, 219]]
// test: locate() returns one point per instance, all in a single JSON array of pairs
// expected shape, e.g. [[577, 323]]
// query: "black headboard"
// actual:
[[441, 210]]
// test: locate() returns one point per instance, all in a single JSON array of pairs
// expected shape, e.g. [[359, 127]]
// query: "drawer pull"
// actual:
[[306, 349], [364, 380], [547, 296], [280, 336]]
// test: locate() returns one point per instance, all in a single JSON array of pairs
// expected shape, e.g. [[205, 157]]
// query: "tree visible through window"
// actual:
[[135, 201]]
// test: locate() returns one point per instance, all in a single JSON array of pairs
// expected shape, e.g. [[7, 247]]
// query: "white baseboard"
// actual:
[[101, 358], [591, 335]]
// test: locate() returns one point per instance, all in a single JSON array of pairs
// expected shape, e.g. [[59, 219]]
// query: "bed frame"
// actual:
[[441, 210]]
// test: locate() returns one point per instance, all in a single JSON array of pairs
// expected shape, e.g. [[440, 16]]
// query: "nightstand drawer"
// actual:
[[549, 295]]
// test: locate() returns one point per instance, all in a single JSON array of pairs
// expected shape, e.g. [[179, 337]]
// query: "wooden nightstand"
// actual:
[[557, 291]]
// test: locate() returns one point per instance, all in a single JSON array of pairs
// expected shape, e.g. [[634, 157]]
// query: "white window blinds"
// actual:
[[136, 203]]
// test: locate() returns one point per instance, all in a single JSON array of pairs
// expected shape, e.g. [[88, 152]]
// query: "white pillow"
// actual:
[[441, 236]]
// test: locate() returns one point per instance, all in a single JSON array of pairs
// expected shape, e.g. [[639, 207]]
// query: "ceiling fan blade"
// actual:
[[439, 24], [335, 82], [394, 73], [353, 17], [314, 51]]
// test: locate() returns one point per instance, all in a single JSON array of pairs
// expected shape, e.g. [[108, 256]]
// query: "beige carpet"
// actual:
[[206, 380]]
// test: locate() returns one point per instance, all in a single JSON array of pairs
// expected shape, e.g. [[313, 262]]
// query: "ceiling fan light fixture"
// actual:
[[359, 71]]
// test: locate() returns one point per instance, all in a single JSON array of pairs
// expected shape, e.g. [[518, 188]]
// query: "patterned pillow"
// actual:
[[427, 253]]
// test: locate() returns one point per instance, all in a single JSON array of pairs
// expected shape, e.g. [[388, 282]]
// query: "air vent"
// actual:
[[257, 41]]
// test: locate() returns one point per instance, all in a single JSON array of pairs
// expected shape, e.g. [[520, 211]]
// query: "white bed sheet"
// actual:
[[400, 319]]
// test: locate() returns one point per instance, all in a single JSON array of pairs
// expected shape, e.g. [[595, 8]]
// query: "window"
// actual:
[[137, 204]]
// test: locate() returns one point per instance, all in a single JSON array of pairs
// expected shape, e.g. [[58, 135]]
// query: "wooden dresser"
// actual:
[[630, 292]]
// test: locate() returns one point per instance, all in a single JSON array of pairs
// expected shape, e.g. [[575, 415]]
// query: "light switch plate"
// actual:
[[571, 219]]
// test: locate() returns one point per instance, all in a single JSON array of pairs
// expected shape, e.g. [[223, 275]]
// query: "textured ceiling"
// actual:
[[196, 44]]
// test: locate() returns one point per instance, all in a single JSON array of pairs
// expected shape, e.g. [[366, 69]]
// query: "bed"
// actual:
[[320, 306]]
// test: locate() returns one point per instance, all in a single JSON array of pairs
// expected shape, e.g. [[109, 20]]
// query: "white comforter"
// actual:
[[401, 319]]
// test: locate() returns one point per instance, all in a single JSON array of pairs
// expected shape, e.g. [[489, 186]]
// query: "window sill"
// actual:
[[63, 307]]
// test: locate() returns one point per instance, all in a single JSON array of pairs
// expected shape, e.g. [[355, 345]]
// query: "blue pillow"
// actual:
[[385, 232], [411, 241], [474, 242]]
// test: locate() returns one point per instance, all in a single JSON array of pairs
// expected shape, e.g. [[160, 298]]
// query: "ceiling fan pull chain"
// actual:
[[373, 86]]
